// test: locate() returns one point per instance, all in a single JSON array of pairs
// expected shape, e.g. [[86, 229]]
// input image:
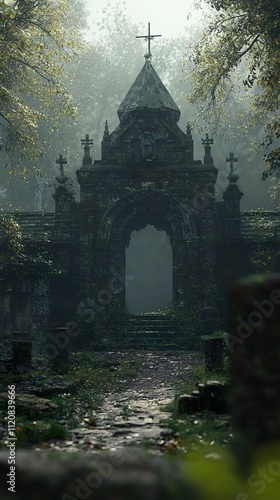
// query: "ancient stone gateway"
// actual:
[[147, 174]]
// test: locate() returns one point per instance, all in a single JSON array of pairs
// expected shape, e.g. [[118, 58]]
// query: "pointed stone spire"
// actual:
[[189, 143], [207, 142], [106, 131], [147, 94], [87, 143]]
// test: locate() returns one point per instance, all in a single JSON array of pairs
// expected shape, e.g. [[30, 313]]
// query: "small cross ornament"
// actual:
[[61, 162], [232, 177]]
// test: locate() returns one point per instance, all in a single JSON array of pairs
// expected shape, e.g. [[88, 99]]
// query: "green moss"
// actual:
[[37, 432], [256, 278]]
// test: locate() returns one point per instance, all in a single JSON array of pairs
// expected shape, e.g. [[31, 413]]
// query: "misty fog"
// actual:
[[149, 264]]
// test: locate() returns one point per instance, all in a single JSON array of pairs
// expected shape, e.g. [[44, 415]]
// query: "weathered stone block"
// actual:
[[213, 352], [188, 404]]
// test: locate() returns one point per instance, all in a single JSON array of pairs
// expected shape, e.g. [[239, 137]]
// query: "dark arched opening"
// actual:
[[149, 268]]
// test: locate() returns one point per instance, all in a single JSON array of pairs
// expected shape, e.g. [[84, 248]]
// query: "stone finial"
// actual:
[[207, 142], [232, 177], [232, 196], [64, 194], [61, 178], [189, 143], [189, 129], [87, 143], [106, 131]]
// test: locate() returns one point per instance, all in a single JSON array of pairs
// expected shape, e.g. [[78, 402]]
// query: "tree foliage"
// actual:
[[11, 240], [35, 44], [242, 34], [19, 254]]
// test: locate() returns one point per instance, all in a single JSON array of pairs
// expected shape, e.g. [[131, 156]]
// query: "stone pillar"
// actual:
[[213, 352], [60, 339], [254, 345], [232, 198], [189, 144], [116, 283], [208, 257], [192, 272]]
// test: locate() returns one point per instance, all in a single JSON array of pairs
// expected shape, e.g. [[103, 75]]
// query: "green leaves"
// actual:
[[242, 35], [34, 46], [11, 240]]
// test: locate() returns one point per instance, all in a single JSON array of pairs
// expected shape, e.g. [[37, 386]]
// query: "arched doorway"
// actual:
[[134, 212], [148, 263]]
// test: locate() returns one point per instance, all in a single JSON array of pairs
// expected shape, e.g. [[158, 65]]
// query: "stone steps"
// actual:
[[153, 332]]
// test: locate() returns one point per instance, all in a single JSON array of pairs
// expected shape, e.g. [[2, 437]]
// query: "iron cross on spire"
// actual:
[[148, 38], [232, 177]]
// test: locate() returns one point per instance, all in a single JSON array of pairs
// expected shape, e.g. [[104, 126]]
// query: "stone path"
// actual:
[[137, 412], [128, 418]]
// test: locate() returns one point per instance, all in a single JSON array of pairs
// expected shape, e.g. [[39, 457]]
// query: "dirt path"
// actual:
[[136, 413]]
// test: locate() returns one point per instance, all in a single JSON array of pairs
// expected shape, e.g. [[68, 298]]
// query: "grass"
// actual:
[[95, 376], [30, 433], [203, 429]]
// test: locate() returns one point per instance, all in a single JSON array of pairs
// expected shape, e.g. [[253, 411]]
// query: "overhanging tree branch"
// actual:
[[250, 46]]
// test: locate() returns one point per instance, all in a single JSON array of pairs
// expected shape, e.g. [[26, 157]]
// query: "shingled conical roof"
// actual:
[[148, 94]]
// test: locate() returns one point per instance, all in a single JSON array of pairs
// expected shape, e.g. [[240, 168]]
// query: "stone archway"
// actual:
[[133, 212]]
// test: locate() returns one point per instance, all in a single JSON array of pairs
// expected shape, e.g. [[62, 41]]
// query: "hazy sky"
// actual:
[[167, 18]]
